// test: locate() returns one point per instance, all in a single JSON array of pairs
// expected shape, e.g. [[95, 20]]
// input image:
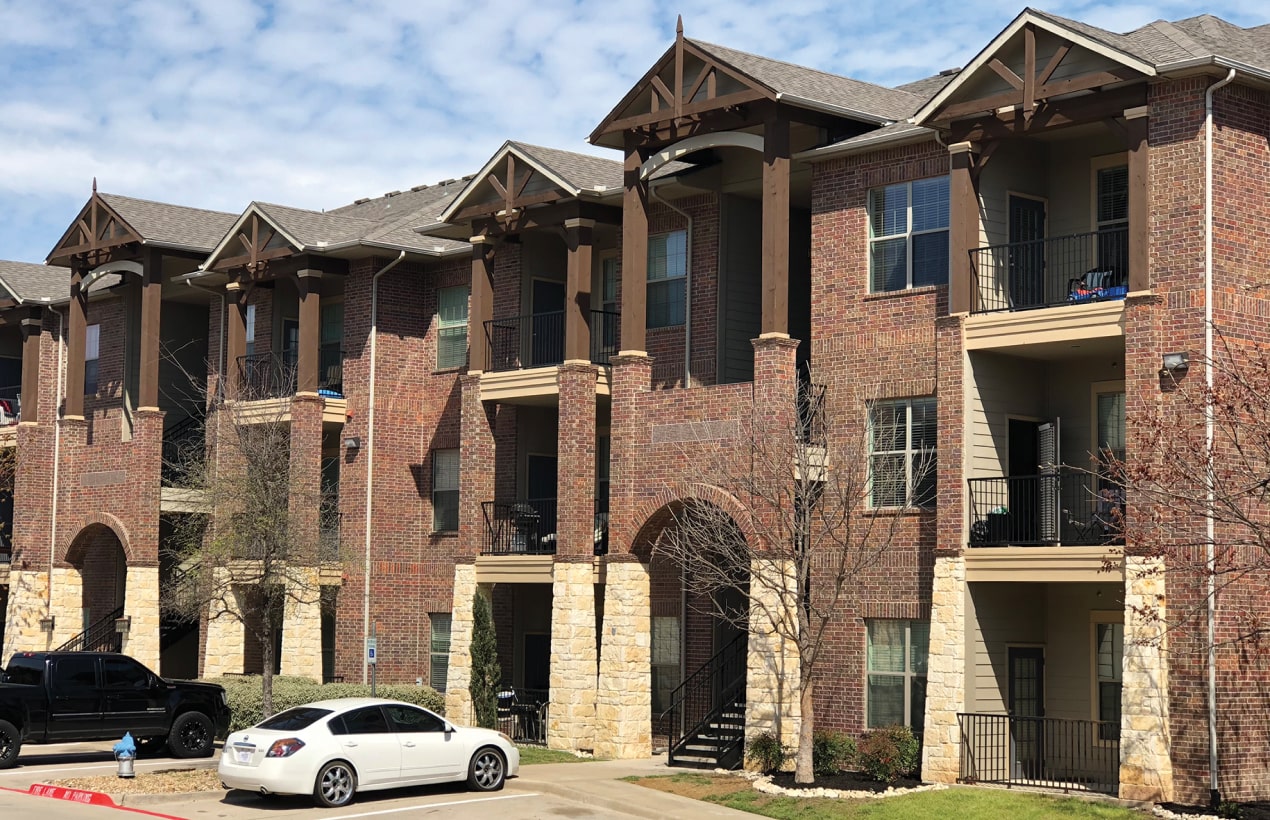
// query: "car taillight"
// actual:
[[285, 748]]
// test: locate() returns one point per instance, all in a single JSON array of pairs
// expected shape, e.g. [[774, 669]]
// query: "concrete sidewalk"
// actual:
[[599, 784]]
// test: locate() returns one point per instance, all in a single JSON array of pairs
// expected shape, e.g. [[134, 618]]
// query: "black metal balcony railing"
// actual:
[[519, 527], [329, 519], [273, 375], [601, 526], [523, 342], [1063, 507], [10, 404], [522, 714], [1053, 753], [1065, 270], [811, 413]]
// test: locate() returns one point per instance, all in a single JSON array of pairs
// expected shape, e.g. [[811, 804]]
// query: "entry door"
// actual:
[[1027, 252], [537, 661], [541, 491], [1026, 708], [547, 344]]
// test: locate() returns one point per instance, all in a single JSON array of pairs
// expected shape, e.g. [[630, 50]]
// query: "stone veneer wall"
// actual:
[[772, 696], [458, 697], [67, 604], [27, 591], [223, 646], [945, 672], [571, 720], [141, 607], [302, 635], [624, 696], [1146, 767]]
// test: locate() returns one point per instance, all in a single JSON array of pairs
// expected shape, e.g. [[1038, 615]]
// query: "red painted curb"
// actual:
[[84, 797]]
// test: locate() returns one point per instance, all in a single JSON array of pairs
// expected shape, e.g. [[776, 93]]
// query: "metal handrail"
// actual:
[[1062, 270], [519, 527], [1062, 506], [537, 340], [100, 636], [1054, 753], [703, 697]]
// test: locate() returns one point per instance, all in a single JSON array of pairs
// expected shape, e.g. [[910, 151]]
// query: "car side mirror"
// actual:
[[449, 728]]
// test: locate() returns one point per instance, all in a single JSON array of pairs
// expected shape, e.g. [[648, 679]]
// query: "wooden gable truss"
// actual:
[[255, 243], [514, 186], [97, 236]]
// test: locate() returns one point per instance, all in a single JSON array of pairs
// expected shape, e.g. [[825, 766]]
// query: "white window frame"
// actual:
[[452, 328], [438, 656], [1096, 620], [930, 458], [907, 235], [92, 359], [675, 275], [909, 674], [250, 346], [439, 457]]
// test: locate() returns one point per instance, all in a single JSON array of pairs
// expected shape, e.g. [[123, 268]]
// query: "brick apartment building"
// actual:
[[498, 380]]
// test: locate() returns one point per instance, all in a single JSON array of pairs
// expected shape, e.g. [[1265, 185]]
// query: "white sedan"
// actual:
[[336, 748]]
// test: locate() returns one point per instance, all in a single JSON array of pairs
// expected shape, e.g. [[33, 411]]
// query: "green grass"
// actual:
[[961, 803], [530, 755]]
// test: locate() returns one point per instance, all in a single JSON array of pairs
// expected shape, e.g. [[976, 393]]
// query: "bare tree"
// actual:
[[805, 479], [252, 554]]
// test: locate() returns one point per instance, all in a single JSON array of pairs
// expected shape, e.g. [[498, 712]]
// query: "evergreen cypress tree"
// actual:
[[486, 671]]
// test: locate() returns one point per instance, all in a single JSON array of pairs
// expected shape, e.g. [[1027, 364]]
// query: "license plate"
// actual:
[[243, 754]]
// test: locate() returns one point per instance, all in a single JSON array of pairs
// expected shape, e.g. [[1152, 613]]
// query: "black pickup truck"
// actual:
[[62, 697]]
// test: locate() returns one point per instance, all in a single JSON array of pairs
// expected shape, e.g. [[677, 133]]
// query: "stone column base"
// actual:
[[302, 628], [946, 672], [624, 694], [772, 685], [571, 719], [223, 650], [27, 607], [458, 695], [141, 607]]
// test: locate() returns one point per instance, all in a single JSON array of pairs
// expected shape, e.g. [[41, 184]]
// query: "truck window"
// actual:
[[75, 673], [124, 673], [26, 671]]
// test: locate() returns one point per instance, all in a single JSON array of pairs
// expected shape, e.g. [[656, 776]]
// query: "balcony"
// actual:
[[1061, 271], [1060, 508], [329, 519], [524, 342], [273, 375], [1039, 752], [519, 527]]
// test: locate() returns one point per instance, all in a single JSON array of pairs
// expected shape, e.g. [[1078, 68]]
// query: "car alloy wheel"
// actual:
[[336, 783], [487, 771]]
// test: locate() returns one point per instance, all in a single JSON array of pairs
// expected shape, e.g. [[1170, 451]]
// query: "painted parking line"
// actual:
[[422, 806]]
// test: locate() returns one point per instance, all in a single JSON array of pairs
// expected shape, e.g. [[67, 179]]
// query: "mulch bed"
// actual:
[[1247, 811], [844, 781]]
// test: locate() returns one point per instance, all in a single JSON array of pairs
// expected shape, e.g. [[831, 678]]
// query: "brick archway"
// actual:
[[90, 528], [656, 512]]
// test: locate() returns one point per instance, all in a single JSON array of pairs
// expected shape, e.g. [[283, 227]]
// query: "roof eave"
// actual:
[[1190, 66], [829, 108], [863, 144]]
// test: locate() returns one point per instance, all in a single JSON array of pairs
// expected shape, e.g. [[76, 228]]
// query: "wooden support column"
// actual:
[[634, 254], [32, 330], [1136, 123], [310, 331], [151, 299], [481, 306], [963, 228], [577, 303], [775, 225], [236, 337], [76, 339]]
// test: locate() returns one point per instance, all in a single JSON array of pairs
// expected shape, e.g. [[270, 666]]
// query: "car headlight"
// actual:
[[285, 747]]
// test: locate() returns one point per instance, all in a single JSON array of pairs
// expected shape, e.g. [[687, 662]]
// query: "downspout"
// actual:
[[1214, 795], [57, 457], [370, 448], [652, 194]]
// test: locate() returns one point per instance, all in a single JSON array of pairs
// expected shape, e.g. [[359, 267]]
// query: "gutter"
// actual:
[[370, 447], [1214, 794], [1214, 61], [57, 459], [865, 142], [829, 108]]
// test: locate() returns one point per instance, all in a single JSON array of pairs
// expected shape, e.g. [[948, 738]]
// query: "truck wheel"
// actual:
[[10, 743], [191, 735]]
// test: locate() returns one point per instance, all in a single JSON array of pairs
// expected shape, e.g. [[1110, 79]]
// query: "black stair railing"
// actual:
[[702, 701], [184, 444], [100, 636]]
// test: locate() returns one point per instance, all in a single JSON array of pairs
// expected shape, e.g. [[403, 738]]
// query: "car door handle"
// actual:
[[409, 744], [350, 743]]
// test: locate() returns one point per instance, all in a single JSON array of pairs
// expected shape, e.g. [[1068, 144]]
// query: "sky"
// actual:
[[315, 103]]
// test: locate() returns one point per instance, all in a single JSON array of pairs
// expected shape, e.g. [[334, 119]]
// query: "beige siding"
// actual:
[[1019, 169], [1002, 386]]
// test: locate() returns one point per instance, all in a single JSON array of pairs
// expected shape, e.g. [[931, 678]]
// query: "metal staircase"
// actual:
[[100, 636], [705, 723]]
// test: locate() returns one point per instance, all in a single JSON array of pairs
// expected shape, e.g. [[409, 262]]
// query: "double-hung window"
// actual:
[[908, 235], [1108, 663], [92, 354], [1112, 195], [897, 655], [667, 273], [452, 328], [902, 437], [439, 669], [445, 490]]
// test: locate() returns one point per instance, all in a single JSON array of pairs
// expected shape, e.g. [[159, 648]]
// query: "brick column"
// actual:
[[141, 607], [302, 629], [76, 338], [946, 670], [623, 694], [575, 451], [571, 720], [632, 375], [476, 458]]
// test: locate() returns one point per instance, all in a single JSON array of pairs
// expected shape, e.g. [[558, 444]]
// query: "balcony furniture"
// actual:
[[1107, 522], [1064, 507], [1097, 286]]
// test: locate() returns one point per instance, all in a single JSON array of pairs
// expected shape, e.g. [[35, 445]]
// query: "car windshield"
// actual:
[[301, 717]]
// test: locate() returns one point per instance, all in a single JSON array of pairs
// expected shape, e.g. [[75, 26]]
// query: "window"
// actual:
[[1108, 667], [667, 272], [1111, 417], [251, 330], [410, 719], [902, 438], [369, 720], [897, 654], [908, 235], [451, 327], [445, 490], [124, 673], [92, 352], [665, 652], [75, 672], [439, 671], [1112, 224], [293, 720]]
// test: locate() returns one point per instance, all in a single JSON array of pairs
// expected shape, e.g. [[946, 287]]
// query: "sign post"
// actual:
[[371, 653]]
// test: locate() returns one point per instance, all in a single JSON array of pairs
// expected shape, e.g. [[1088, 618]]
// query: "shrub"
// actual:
[[486, 671], [831, 752], [245, 697], [889, 753], [766, 752]]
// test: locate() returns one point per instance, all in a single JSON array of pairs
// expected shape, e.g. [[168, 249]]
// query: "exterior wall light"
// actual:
[[1176, 362], [123, 625], [47, 624], [352, 443]]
